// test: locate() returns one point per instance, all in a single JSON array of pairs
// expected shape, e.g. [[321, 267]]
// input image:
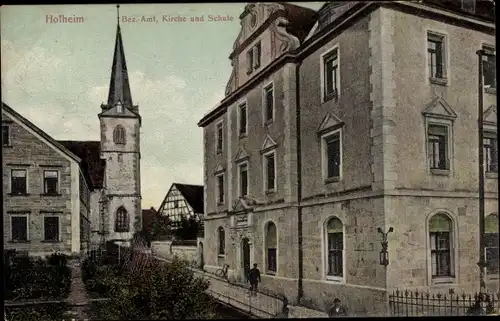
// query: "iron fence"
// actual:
[[413, 303]]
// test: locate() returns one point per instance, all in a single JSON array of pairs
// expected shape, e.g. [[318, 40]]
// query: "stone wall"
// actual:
[[168, 251]]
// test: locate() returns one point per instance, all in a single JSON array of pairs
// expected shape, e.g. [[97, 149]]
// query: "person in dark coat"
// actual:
[[337, 309], [254, 279]]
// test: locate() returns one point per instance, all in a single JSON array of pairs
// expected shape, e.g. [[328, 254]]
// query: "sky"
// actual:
[[57, 75]]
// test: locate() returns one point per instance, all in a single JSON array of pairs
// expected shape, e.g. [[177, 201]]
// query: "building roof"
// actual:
[[40, 132], [119, 87], [148, 216], [193, 194], [91, 163], [301, 19]]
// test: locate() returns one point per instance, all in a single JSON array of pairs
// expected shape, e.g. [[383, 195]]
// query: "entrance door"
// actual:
[[245, 248]]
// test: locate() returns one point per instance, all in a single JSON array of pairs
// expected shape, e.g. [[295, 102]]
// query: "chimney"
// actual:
[[469, 6]]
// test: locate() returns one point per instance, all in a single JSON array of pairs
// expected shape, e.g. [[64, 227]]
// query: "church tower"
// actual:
[[120, 147]]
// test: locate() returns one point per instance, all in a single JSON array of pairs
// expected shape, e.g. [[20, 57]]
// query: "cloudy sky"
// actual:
[[57, 75]]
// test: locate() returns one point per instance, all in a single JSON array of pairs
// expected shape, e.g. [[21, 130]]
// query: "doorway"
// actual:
[[245, 249]]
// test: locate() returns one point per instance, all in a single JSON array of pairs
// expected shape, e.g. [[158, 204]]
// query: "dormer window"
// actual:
[[119, 108], [253, 58], [469, 6]]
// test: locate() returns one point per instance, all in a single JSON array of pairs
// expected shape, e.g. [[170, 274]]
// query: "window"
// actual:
[[271, 245], [121, 221], [332, 155], [436, 55], [50, 182], [176, 204], [120, 157], [270, 171], [437, 144], [119, 135], [440, 244], [243, 179], [5, 135], [331, 75], [220, 188], [18, 182], [490, 152], [19, 228], [489, 68], [491, 243], [119, 108], [51, 228], [249, 61], [222, 241], [256, 56], [269, 103], [219, 137], [335, 247], [242, 123]]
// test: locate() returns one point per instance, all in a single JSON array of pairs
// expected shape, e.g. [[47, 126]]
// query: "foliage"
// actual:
[[46, 312], [29, 278], [188, 229], [161, 227], [158, 292]]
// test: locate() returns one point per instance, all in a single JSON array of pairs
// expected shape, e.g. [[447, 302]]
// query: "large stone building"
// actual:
[[111, 167], [337, 123], [46, 191]]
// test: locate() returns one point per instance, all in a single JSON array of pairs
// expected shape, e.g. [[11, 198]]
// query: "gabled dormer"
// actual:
[[268, 30]]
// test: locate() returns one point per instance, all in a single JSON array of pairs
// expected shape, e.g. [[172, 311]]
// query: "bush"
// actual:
[[158, 292], [29, 278], [47, 312]]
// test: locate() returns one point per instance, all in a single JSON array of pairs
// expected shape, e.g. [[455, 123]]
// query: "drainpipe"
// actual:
[[300, 288]]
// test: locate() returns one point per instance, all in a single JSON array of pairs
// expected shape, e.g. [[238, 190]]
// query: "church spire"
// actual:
[[119, 87]]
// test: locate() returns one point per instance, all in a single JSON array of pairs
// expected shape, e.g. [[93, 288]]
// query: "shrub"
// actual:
[[47, 312], [158, 292]]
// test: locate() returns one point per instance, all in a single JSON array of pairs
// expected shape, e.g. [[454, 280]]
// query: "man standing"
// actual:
[[254, 279], [337, 310]]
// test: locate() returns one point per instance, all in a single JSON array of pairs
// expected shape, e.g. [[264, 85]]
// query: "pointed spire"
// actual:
[[119, 87]]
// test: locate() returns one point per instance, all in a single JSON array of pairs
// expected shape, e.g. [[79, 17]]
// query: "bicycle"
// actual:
[[222, 272]]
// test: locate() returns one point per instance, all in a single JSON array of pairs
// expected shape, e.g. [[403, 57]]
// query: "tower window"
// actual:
[[119, 135]]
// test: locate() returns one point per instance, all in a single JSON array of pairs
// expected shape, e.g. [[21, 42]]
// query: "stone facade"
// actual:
[[28, 149], [382, 110]]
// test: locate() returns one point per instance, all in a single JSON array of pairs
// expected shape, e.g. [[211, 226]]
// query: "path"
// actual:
[[78, 298]]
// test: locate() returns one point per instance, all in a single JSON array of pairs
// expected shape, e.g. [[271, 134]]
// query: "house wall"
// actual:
[[29, 151]]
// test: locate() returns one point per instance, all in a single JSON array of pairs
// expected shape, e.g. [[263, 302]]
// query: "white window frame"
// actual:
[[58, 227], [445, 54], [324, 244], [27, 216], [486, 46], [58, 191], [27, 178], [265, 89], [265, 173], [241, 164], [324, 155], [322, 72], [217, 199], [119, 108], [221, 124], [454, 251], [264, 258], [257, 54], [449, 125], [238, 121], [9, 131]]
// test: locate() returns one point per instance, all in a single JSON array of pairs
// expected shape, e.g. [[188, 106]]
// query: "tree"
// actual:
[[188, 229], [159, 292], [161, 227]]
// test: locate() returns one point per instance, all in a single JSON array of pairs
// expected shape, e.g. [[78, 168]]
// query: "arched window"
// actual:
[[335, 247], [491, 243], [271, 246], [440, 238], [119, 135], [121, 220], [222, 241]]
